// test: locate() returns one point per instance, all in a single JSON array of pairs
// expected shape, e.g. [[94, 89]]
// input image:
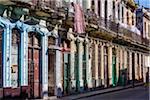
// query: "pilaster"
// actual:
[[72, 63], [59, 69], [136, 65], [88, 66], [7, 57], [96, 63], [130, 65], [117, 62], [140, 67], [24, 56], [102, 63], [110, 64], [80, 64], [44, 67]]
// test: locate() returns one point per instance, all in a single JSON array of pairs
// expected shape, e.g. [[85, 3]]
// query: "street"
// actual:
[[137, 93]]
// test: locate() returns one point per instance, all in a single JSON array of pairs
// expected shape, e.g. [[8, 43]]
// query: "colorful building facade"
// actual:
[[42, 56]]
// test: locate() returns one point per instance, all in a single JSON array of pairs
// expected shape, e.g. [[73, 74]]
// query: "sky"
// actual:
[[145, 3]]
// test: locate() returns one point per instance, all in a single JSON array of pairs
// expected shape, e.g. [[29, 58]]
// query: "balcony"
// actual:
[[111, 30]]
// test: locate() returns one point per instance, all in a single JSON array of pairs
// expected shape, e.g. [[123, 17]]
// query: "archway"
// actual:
[[34, 64]]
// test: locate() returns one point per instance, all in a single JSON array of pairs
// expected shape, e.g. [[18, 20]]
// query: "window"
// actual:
[[127, 18], [113, 9], [145, 27], [51, 41], [132, 20], [93, 6], [15, 55], [105, 8], [99, 8], [149, 30], [122, 15], [118, 11]]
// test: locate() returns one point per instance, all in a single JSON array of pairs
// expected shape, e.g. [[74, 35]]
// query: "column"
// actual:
[[140, 67], [7, 57], [121, 59], [136, 66], [130, 65], [80, 63], [88, 67], [110, 64], [44, 67], [59, 69], [109, 8], [117, 62], [144, 69], [24, 57], [96, 63], [102, 63], [72, 63]]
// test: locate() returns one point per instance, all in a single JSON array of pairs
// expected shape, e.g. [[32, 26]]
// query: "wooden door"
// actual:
[[30, 72], [51, 72], [36, 59], [33, 72], [34, 63]]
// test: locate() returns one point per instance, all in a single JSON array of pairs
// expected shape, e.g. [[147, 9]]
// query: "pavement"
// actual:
[[137, 93], [97, 92]]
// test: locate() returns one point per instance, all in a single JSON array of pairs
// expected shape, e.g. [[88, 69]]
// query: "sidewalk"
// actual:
[[92, 93]]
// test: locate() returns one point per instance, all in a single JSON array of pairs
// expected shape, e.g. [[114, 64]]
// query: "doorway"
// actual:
[[114, 78], [34, 64], [66, 64], [51, 72]]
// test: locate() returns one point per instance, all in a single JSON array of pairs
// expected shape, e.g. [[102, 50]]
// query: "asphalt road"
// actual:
[[137, 93]]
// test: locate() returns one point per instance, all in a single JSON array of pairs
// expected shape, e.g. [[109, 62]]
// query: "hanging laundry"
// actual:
[[79, 21]]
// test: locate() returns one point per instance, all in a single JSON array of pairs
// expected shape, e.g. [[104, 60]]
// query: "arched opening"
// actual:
[[51, 66], [34, 64], [1, 55]]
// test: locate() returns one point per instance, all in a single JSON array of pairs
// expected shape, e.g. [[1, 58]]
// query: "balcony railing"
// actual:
[[116, 28]]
